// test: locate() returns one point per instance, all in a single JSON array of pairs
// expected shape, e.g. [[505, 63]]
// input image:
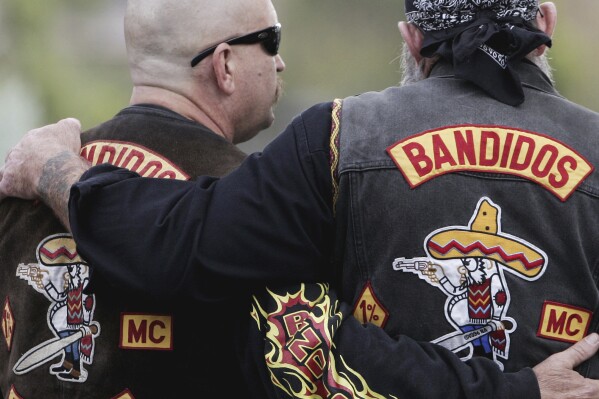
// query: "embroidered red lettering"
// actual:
[[90, 156], [305, 349], [489, 148], [465, 147], [549, 152], [506, 150], [555, 324], [106, 154], [133, 157], [139, 158], [169, 174], [422, 164], [442, 154], [536, 157], [573, 320], [156, 331], [154, 165], [295, 322], [316, 363], [561, 168], [304, 343], [122, 153], [523, 152], [137, 333]]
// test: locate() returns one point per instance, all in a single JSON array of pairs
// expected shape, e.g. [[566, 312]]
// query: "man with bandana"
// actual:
[[475, 176]]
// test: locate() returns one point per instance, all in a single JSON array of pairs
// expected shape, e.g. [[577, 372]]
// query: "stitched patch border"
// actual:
[[492, 149], [141, 331], [134, 157], [565, 323]]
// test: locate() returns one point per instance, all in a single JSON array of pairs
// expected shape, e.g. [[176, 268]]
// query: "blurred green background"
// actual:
[[61, 58]]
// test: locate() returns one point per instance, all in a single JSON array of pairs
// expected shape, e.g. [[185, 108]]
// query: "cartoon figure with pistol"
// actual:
[[61, 276], [468, 264]]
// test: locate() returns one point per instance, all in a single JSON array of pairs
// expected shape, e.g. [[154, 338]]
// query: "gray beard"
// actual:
[[413, 71]]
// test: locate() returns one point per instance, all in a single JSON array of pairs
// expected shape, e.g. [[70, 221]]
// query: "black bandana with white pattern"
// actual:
[[482, 38]]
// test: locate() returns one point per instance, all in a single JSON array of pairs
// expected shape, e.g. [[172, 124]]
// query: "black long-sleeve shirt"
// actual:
[[271, 223]]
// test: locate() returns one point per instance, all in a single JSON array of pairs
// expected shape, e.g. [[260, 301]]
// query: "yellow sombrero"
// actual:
[[58, 250], [484, 241]]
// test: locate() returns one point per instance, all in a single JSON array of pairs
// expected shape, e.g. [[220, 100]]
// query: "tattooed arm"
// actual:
[[58, 175], [44, 165]]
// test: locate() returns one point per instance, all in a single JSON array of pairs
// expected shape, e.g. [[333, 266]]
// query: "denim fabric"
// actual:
[[386, 222]]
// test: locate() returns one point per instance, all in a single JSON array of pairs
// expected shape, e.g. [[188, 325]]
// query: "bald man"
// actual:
[[196, 94]]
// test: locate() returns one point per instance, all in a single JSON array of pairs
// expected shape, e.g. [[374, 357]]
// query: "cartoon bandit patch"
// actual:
[[61, 276], [467, 263]]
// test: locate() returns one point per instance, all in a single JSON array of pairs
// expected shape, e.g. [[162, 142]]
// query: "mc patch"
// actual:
[[8, 323], [533, 156], [564, 323], [146, 331]]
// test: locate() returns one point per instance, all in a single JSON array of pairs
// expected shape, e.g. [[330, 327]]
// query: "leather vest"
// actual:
[[126, 345]]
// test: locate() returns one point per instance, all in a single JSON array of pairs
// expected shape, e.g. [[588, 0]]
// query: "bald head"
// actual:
[[163, 36], [233, 91]]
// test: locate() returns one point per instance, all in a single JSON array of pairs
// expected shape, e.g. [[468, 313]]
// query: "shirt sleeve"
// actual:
[[269, 221], [305, 340]]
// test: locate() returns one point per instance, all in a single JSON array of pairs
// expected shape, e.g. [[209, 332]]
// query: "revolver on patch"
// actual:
[[410, 264], [32, 273]]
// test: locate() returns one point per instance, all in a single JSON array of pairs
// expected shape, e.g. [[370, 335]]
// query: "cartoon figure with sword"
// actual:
[[468, 264], [61, 275]]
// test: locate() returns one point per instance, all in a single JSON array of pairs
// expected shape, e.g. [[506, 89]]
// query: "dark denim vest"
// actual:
[[471, 223]]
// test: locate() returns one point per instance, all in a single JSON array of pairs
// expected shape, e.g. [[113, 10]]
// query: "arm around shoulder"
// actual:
[[44, 165]]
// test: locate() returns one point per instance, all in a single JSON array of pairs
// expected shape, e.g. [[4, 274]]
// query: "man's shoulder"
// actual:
[[315, 122], [317, 111]]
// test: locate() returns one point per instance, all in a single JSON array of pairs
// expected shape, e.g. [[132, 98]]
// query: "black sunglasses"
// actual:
[[269, 37]]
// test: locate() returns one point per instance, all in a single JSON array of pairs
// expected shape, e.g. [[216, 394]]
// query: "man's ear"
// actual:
[[413, 37], [223, 64], [546, 21]]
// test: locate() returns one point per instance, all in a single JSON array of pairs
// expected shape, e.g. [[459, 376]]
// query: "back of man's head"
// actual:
[[162, 36], [483, 39], [435, 15]]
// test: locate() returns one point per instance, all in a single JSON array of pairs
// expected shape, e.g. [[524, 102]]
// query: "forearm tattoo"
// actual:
[[58, 175]]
